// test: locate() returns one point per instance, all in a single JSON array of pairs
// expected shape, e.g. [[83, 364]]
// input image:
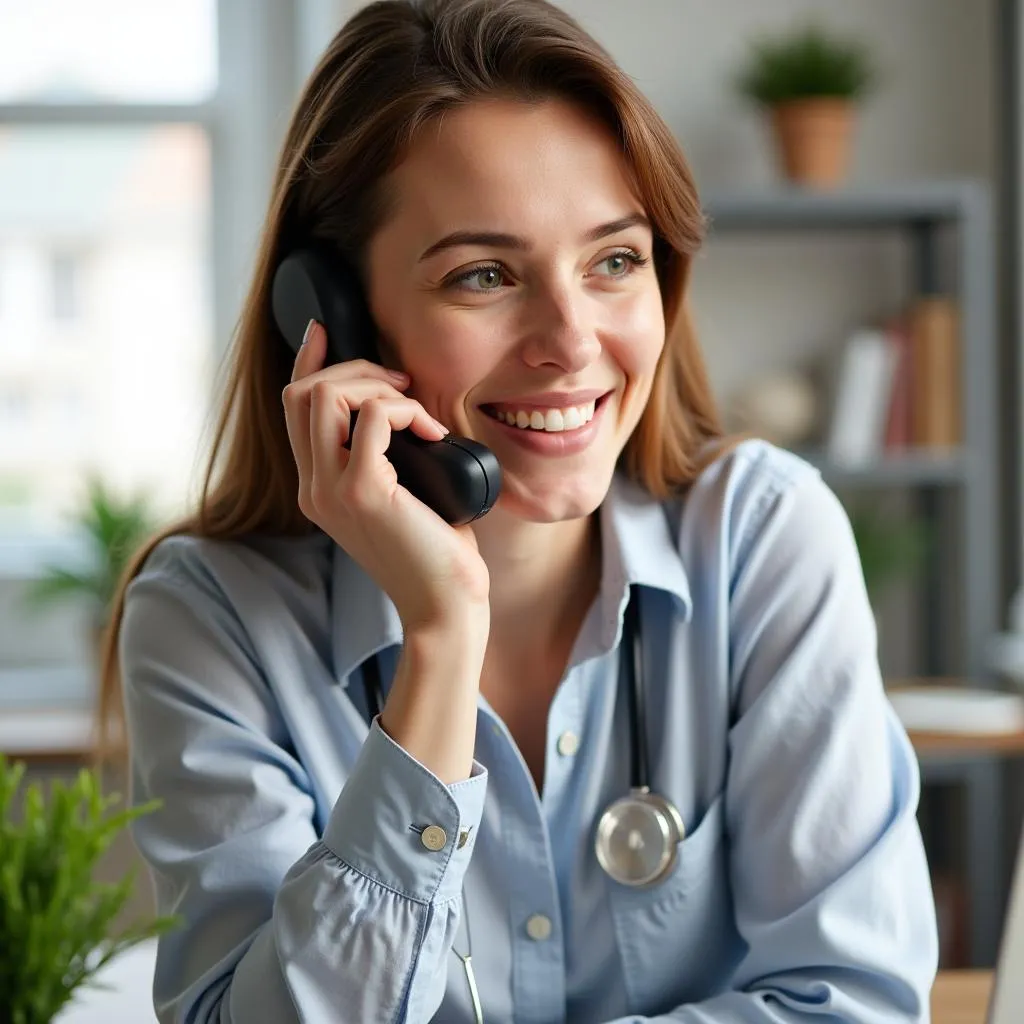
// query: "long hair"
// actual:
[[393, 68]]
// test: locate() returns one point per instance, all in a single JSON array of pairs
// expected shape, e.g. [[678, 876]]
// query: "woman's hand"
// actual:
[[432, 571]]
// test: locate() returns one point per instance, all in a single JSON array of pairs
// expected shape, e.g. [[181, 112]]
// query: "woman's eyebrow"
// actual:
[[614, 226], [502, 240]]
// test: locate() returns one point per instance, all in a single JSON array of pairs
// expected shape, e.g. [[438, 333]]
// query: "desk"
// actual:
[[1006, 744], [961, 997], [129, 998]]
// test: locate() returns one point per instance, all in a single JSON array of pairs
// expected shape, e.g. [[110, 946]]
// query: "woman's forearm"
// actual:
[[431, 707]]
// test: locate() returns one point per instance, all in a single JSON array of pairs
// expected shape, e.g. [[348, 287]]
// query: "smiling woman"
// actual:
[[547, 300], [617, 749]]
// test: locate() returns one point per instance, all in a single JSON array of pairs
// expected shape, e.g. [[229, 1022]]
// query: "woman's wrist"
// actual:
[[459, 621], [431, 707]]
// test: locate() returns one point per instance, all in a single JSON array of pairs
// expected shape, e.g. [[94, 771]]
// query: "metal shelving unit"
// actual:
[[944, 223], [903, 469]]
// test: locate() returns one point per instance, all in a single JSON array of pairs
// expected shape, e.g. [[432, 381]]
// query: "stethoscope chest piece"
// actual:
[[638, 837]]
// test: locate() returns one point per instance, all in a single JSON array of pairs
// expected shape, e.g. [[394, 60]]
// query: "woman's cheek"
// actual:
[[646, 335], [443, 396]]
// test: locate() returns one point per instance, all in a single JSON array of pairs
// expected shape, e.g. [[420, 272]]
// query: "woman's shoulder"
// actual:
[[755, 465], [227, 567], [754, 489]]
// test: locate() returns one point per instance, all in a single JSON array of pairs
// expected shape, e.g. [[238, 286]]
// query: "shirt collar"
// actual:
[[364, 619], [638, 547]]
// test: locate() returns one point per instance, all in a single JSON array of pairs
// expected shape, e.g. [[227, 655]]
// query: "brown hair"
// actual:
[[396, 66]]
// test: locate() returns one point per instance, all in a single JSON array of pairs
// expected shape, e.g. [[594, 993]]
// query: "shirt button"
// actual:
[[568, 744], [433, 837], [538, 927]]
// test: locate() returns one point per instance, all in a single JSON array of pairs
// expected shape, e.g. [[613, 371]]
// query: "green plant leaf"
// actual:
[[804, 64], [888, 549], [115, 529], [56, 921]]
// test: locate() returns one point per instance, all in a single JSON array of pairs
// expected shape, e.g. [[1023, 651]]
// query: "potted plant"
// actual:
[[55, 920], [115, 529], [809, 82]]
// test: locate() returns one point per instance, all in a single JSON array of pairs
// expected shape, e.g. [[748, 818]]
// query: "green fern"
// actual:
[[807, 64], [115, 528], [55, 921]]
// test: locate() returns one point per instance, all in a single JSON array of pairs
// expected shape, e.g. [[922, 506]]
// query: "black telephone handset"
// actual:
[[458, 478]]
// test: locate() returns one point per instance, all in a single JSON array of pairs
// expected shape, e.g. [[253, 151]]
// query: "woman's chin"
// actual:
[[552, 501]]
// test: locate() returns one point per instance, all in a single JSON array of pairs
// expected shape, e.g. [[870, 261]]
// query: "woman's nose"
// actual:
[[561, 333]]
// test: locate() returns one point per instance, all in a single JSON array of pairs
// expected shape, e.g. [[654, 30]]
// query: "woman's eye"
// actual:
[[622, 264], [481, 279], [617, 265]]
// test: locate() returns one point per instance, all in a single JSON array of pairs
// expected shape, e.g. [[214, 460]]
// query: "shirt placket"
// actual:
[[538, 957]]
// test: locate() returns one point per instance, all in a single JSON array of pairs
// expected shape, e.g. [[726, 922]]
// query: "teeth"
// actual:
[[552, 420]]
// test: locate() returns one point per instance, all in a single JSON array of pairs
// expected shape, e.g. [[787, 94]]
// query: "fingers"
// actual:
[[311, 352], [378, 420], [365, 473], [319, 404], [307, 370]]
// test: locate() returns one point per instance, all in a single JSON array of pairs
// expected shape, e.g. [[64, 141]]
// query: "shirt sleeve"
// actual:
[[830, 883], [278, 924]]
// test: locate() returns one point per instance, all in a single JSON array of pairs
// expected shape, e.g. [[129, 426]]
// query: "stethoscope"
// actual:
[[638, 835]]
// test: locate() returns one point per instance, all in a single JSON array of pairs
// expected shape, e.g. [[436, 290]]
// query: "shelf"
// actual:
[[912, 468], [895, 204], [961, 997], [39, 736], [932, 743]]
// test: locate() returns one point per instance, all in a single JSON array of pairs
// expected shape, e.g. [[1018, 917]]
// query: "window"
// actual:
[[113, 51], [137, 146], [105, 225], [64, 277]]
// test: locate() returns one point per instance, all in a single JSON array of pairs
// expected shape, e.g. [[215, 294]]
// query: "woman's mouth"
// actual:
[[553, 430], [552, 420]]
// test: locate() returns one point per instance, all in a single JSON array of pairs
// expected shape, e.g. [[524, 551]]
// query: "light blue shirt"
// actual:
[[290, 839]]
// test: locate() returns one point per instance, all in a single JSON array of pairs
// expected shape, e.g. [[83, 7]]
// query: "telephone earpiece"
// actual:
[[458, 478]]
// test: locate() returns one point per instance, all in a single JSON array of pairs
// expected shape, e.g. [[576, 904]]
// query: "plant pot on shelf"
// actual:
[[813, 137], [811, 82]]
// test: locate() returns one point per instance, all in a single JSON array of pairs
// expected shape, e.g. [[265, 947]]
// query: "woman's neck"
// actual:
[[544, 577]]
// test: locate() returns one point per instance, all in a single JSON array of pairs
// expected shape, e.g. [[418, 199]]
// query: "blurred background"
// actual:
[[859, 299]]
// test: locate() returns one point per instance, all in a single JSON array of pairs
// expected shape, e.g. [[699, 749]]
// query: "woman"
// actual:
[[523, 224]]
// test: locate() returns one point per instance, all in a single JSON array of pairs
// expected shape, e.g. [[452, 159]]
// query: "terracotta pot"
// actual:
[[813, 138]]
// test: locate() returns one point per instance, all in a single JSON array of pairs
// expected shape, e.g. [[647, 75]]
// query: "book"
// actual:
[[899, 422], [936, 371], [863, 393]]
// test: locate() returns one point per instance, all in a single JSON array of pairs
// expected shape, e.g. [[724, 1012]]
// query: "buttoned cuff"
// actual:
[[397, 823]]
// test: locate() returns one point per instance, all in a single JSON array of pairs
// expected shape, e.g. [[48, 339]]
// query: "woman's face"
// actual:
[[513, 281]]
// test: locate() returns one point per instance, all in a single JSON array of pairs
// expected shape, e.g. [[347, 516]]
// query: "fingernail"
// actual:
[[306, 332], [398, 375], [441, 426]]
